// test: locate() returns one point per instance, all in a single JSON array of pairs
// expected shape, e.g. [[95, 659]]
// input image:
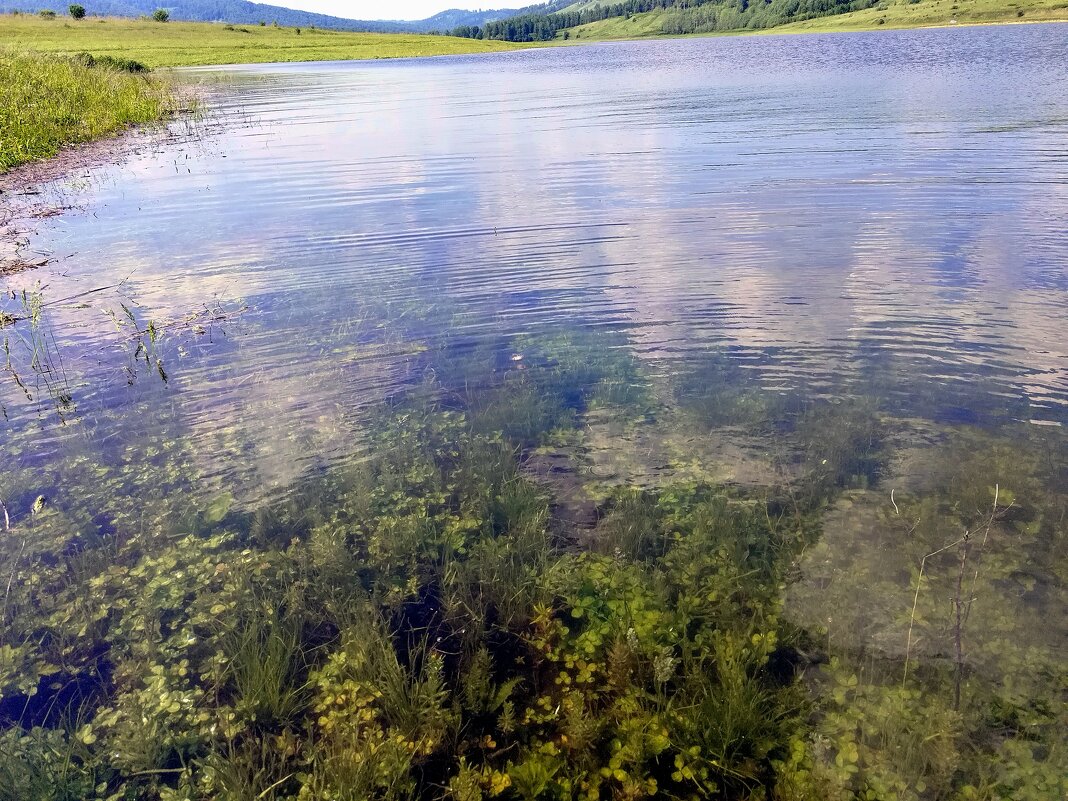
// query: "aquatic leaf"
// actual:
[[218, 508]]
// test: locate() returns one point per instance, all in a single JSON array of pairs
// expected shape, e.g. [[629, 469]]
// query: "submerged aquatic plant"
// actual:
[[423, 621], [40, 362], [464, 629]]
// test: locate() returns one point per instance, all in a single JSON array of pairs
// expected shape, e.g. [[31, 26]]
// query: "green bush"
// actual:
[[77, 11], [110, 63]]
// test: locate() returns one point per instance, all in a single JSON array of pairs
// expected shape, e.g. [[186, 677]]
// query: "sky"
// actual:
[[379, 9]]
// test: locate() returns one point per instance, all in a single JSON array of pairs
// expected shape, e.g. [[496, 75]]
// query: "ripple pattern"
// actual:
[[872, 213]]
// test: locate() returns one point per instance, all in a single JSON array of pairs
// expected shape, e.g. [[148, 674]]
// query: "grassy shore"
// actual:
[[183, 44], [49, 102], [886, 14]]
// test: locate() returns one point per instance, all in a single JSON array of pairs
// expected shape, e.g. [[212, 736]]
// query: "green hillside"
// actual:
[[885, 14], [933, 13], [636, 26]]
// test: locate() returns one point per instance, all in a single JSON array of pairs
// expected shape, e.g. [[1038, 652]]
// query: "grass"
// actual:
[[638, 26], [185, 44], [887, 14], [48, 103], [935, 13]]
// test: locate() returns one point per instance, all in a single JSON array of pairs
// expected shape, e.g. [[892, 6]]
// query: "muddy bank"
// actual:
[[40, 190]]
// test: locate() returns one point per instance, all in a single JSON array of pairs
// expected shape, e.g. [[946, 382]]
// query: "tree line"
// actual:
[[734, 15], [542, 27], [688, 16]]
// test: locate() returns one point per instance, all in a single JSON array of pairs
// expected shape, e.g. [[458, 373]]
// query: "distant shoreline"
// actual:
[[839, 23], [788, 29], [23, 178]]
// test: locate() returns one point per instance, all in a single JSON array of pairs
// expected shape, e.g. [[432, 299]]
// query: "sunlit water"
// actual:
[[873, 218]]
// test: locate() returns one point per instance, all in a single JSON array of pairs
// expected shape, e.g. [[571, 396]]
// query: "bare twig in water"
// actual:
[[15, 564], [81, 295], [958, 628], [982, 548], [916, 601], [962, 608]]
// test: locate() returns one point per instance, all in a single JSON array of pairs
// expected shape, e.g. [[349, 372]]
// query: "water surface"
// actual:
[[876, 214]]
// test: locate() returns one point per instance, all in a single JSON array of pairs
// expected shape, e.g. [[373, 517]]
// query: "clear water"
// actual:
[[766, 226], [878, 215]]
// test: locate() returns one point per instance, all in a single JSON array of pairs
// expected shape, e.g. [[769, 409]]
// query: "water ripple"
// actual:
[[871, 214]]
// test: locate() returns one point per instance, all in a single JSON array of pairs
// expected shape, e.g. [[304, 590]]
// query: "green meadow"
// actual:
[[936, 13], [186, 44]]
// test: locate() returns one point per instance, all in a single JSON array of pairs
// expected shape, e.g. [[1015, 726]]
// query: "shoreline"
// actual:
[[26, 191], [933, 27]]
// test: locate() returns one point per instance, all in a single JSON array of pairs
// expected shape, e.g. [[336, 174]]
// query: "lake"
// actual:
[[832, 268]]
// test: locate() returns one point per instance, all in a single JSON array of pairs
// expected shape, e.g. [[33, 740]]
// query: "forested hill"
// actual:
[[238, 12], [683, 16], [455, 17]]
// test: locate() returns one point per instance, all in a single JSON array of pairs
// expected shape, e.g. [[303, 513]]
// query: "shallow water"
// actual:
[[769, 228], [876, 215], [872, 216]]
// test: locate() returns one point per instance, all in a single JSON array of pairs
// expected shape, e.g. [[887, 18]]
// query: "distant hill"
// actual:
[[456, 18], [242, 12], [667, 17], [627, 19], [239, 12]]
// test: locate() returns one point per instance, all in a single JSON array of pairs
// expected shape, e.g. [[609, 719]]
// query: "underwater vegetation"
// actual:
[[426, 621], [33, 361]]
